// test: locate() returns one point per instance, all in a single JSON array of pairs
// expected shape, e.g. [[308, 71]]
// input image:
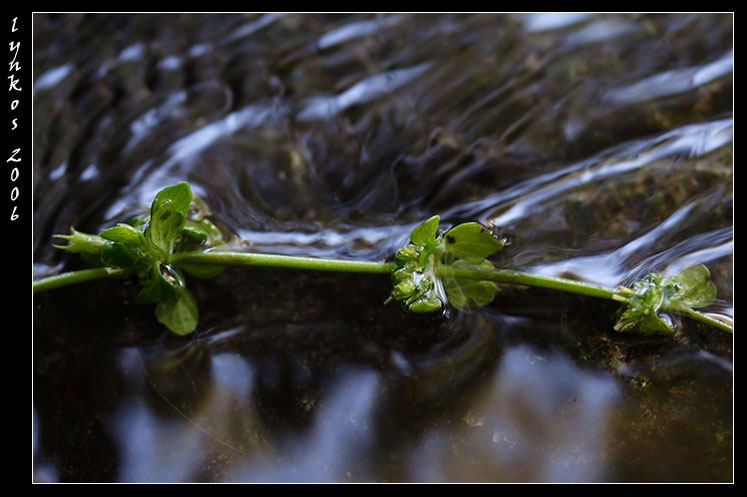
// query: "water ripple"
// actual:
[[672, 82], [364, 91], [530, 196]]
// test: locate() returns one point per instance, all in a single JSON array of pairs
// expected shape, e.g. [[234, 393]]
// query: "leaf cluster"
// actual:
[[650, 299], [416, 280], [143, 246]]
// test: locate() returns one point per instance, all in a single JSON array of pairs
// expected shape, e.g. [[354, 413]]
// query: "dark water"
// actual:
[[600, 145]]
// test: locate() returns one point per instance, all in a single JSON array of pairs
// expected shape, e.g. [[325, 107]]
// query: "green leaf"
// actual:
[[123, 233], [199, 234], [426, 232], [119, 254], [694, 288], [139, 222], [181, 315], [470, 293], [162, 282], [166, 222], [428, 302], [151, 292], [471, 240], [180, 195], [93, 260], [644, 321], [79, 242], [196, 230]]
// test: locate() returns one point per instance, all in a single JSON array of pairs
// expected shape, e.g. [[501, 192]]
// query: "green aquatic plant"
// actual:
[[416, 281], [144, 247], [432, 271]]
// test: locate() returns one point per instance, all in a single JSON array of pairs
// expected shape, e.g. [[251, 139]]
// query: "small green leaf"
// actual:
[[79, 242], [166, 222], [123, 233], [695, 289], [644, 321], [426, 232], [139, 222], [119, 254], [161, 282], [151, 292], [406, 254], [471, 240], [180, 195], [181, 315], [427, 302], [430, 248], [196, 230], [199, 234], [470, 293]]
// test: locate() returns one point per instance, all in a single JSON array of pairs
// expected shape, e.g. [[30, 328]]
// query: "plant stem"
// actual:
[[351, 266], [282, 261], [73, 277], [521, 278], [705, 318], [565, 285]]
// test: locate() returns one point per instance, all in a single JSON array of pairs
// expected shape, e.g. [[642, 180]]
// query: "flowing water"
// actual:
[[601, 146]]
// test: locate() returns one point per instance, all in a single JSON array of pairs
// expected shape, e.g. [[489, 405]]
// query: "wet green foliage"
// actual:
[[143, 247], [652, 297], [416, 281], [430, 272]]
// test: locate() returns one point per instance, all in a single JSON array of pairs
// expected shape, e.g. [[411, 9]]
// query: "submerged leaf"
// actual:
[[469, 293], [644, 305], [695, 289], [655, 295], [416, 281]]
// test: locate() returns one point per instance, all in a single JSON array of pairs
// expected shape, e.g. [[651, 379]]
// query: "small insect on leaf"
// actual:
[[471, 240]]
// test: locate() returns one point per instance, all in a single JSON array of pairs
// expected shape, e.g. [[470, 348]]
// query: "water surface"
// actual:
[[600, 145]]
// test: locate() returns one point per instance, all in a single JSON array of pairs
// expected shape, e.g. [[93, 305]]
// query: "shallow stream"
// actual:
[[600, 146]]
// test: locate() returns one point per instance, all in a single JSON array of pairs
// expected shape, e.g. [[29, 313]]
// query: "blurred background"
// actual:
[[599, 145]]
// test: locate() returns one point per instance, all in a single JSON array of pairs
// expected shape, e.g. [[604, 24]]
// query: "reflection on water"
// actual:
[[543, 420], [600, 145]]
